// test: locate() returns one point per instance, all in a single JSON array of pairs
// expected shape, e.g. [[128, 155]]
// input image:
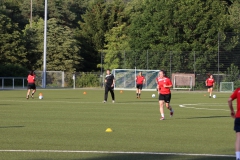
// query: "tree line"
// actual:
[[84, 34]]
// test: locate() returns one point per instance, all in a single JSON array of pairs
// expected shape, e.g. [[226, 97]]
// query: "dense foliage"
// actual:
[[85, 35]]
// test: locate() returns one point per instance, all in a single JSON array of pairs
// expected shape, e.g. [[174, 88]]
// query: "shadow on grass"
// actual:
[[152, 157], [208, 117], [11, 126]]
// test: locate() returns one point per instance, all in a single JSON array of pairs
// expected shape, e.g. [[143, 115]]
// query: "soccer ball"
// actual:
[[153, 95], [40, 97], [214, 96]]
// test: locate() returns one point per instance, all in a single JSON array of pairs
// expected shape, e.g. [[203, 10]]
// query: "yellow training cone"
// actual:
[[108, 130], [121, 91]]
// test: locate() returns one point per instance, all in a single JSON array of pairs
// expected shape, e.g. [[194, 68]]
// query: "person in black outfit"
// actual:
[[109, 86]]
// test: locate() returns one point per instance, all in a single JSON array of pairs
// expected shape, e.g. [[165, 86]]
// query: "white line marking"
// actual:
[[117, 152], [210, 109]]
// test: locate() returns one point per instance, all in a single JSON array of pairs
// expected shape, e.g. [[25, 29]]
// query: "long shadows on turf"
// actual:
[[11, 126]]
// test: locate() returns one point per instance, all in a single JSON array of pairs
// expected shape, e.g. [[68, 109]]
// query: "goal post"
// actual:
[[226, 87], [183, 81], [125, 79]]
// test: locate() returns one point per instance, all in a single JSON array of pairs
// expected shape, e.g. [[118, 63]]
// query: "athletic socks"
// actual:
[[238, 155]]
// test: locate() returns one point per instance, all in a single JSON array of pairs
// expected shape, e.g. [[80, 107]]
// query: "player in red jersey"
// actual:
[[31, 84], [140, 80], [164, 85], [210, 84], [236, 95]]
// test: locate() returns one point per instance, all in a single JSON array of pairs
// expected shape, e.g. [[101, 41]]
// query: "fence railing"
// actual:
[[13, 82]]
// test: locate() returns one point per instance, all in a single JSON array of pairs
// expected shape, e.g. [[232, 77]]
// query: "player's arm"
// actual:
[[168, 85], [231, 107], [144, 80], [113, 83], [206, 82]]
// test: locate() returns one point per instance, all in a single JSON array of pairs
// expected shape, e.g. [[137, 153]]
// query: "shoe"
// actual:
[[32, 96], [137, 96], [210, 96], [162, 118], [27, 97], [104, 101], [171, 113], [113, 101]]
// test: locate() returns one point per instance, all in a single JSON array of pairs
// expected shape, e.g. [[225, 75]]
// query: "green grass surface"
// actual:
[[68, 125]]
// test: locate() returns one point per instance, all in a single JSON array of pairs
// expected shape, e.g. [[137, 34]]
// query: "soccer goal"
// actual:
[[226, 86], [125, 79], [183, 81]]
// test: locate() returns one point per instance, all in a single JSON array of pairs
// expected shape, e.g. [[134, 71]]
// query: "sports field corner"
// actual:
[[70, 124]]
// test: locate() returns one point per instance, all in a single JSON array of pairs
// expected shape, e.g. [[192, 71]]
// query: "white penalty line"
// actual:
[[117, 152]]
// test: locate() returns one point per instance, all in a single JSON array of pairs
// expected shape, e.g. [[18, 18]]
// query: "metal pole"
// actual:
[[31, 16], [218, 63], [45, 46]]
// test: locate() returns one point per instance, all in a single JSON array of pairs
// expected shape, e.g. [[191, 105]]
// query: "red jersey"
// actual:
[[31, 78], [236, 95], [161, 83], [140, 79], [210, 81]]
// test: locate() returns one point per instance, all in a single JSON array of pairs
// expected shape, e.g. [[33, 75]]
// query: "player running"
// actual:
[[236, 95], [31, 84], [164, 85], [210, 84], [140, 80]]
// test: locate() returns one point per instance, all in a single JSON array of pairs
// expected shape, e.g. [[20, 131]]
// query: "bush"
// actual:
[[87, 80]]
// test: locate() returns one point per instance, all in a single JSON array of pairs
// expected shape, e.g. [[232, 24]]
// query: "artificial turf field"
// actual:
[[70, 125]]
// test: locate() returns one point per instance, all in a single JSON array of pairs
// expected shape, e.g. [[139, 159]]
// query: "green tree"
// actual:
[[116, 44], [12, 47], [191, 25]]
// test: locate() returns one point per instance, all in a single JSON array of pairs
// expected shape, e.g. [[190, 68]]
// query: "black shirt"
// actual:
[[109, 80]]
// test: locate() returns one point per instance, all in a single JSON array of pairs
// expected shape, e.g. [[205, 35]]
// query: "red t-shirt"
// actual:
[[140, 79], [31, 79], [236, 95], [210, 81], [161, 83]]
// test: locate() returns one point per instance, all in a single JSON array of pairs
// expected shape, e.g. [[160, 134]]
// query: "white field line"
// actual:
[[194, 106], [117, 152]]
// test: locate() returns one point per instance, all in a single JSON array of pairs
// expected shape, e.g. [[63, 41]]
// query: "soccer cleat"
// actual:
[[162, 118], [32, 96], [210, 96], [27, 97], [113, 101], [104, 101], [171, 113]]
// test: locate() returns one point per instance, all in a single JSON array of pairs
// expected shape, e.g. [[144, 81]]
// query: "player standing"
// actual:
[[236, 95], [109, 86], [31, 84], [164, 85], [140, 80], [210, 84]]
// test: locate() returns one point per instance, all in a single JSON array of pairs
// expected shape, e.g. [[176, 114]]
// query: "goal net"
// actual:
[[125, 78], [53, 78], [226, 86], [183, 81]]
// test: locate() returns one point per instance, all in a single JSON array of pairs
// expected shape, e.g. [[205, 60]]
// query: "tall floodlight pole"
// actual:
[[31, 15], [45, 47]]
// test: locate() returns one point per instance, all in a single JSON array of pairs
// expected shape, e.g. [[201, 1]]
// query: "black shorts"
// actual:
[[237, 124], [209, 86], [31, 86], [139, 86], [164, 97]]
